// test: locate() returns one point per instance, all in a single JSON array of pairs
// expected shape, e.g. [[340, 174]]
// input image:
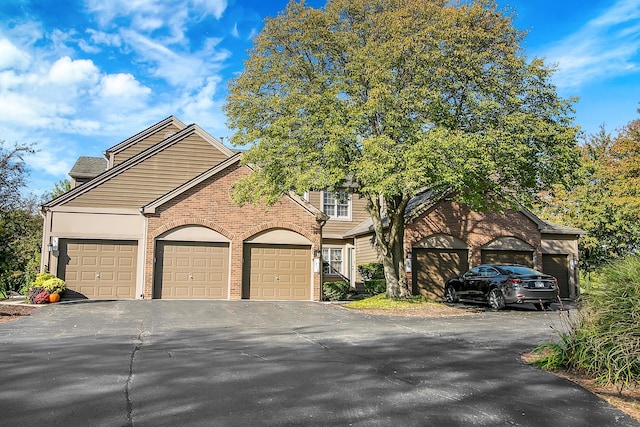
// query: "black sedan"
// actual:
[[499, 285]]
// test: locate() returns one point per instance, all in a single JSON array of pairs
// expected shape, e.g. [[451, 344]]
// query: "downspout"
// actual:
[[45, 233], [321, 219]]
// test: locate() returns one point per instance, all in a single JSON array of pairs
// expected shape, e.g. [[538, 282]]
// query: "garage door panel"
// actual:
[[99, 268], [558, 266], [192, 270], [277, 272], [433, 267], [507, 257]]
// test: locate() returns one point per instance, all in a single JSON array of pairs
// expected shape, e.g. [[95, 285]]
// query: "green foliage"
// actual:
[[605, 198], [13, 172], [375, 286], [372, 270], [398, 96], [38, 282], [20, 234], [59, 189], [603, 339], [54, 285], [335, 291], [373, 276]]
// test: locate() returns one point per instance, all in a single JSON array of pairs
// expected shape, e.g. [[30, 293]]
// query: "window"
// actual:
[[332, 260], [336, 204]]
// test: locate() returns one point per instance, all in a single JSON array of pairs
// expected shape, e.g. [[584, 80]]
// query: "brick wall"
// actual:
[[209, 204], [476, 229]]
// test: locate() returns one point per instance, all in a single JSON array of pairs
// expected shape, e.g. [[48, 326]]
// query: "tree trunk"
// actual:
[[390, 240]]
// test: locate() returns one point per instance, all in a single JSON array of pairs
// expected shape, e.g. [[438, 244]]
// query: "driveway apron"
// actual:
[[218, 363]]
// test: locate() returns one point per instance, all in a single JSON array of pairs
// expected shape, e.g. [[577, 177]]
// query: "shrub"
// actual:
[[370, 271], [54, 285], [335, 291], [44, 282], [375, 286], [603, 339], [40, 278]]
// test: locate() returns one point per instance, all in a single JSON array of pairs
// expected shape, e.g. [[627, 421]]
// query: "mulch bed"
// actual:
[[9, 312]]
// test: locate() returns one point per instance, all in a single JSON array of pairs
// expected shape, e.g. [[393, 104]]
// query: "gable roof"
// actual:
[[137, 159], [88, 167], [171, 120], [151, 207], [426, 200]]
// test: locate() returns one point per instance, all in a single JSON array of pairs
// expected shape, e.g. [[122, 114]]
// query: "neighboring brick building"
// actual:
[[159, 222]]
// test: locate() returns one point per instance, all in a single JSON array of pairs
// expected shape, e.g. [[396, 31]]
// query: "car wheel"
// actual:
[[496, 299], [450, 294]]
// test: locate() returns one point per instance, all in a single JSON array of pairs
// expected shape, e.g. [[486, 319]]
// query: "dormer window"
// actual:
[[337, 204]]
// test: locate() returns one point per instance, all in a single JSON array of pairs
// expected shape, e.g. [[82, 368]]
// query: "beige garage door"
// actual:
[[277, 272], [433, 267], [507, 257], [191, 270], [99, 269]]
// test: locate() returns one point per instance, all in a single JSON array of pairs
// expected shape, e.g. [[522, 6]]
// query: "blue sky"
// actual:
[[78, 76]]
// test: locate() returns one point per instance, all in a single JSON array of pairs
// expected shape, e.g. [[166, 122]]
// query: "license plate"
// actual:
[[539, 284]]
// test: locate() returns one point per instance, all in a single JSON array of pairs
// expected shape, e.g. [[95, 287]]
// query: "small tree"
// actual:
[[397, 96]]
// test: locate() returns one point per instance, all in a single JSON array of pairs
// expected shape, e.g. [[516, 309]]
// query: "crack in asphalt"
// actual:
[[127, 385]]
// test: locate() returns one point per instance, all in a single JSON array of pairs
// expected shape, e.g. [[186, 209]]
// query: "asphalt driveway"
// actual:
[[191, 363]]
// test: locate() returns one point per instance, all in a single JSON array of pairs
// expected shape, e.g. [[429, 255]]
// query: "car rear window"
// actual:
[[520, 270]]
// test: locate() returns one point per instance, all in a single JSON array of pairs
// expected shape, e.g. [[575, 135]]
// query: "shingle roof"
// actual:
[[423, 201], [88, 167]]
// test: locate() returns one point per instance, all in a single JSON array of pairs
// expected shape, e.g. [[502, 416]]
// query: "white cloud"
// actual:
[[122, 86], [605, 47], [68, 72], [150, 15], [106, 39], [180, 69], [12, 57], [210, 7], [75, 91]]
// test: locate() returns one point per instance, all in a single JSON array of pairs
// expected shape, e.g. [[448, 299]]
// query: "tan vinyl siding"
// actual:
[[145, 143], [336, 228], [365, 253], [155, 176]]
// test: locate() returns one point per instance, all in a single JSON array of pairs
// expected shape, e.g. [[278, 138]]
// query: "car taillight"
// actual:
[[554, 282], [514, 282]]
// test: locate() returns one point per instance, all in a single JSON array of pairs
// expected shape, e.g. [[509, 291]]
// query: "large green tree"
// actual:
[[605, 198], [13, 172], [396, 96], [20, 225]]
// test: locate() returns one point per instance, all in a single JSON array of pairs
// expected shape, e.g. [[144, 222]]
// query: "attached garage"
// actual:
[[507, 250], [433, 267], [98, 269], [558, 267], [508, 257], [435, 260], [191, 270], [276, 272]]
